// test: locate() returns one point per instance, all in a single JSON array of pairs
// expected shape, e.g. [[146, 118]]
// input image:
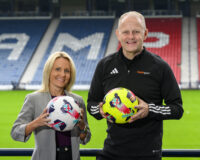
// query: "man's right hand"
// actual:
[[102, 113]]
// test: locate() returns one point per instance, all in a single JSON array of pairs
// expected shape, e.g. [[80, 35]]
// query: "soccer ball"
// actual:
[[64, 113], [118, 105]]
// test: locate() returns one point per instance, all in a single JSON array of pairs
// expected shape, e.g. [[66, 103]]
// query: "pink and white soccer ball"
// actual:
[[64, 113]]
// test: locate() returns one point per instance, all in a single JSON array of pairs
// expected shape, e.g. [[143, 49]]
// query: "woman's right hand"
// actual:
[[41, 120]]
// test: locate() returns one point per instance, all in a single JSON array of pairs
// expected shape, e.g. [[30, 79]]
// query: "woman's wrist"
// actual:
[[83, 131]]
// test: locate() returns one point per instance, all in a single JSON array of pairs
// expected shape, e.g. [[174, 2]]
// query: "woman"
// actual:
[[58, 79]]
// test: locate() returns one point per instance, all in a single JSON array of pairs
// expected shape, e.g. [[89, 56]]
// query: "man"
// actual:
[[153, 82]]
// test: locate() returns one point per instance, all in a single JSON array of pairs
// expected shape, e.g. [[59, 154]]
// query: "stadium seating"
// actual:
[[165, 41], [18, 41], [85, 40]]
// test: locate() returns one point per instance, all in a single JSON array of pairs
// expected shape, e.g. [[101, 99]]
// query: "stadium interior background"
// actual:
[[105, 7], [42, 26], [32, 29]]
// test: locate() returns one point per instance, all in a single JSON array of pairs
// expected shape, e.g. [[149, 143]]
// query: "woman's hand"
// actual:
[[81, 123], [82, 126], [42, 120]]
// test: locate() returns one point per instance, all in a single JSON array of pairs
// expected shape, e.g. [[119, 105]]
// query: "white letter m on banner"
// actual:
[[66, 39]]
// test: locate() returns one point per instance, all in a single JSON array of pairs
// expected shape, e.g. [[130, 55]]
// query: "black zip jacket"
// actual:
[[151, 79]]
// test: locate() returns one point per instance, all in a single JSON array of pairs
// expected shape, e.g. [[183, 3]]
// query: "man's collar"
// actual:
[[120, 52]]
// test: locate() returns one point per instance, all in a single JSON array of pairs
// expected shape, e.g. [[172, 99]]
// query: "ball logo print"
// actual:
[[51, 108], [119, 105], [64, 113], [67, 108], [116, 102], [58, 125]]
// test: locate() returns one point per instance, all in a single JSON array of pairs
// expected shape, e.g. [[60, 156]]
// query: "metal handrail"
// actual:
[[92, 152]]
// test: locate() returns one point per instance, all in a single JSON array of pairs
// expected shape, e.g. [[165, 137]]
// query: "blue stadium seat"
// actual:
[[85, 40], [18, 41]]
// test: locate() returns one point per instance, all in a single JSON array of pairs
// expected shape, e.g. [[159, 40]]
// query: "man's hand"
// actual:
[[143, 110], [102, 113], [101, 110]]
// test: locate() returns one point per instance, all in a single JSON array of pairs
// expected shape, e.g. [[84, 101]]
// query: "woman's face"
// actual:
[[60, 73]]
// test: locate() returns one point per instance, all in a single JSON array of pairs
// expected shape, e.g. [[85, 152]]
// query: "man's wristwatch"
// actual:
[[84, 131]]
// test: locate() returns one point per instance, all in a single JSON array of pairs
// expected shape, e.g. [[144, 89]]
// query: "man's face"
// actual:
[[131, 35]]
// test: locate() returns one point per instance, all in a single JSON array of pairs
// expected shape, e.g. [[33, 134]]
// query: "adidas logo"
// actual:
[[114, 71]]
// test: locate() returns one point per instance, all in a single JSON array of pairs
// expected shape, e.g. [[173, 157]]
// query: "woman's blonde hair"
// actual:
[[48, 67]]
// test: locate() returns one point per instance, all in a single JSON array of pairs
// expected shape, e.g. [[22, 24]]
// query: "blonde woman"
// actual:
[[58, 78]]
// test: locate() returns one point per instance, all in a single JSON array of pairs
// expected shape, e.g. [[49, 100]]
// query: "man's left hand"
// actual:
[[143, 110]]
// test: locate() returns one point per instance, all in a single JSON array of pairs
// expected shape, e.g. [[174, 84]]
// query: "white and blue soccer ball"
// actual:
[[64, 113]]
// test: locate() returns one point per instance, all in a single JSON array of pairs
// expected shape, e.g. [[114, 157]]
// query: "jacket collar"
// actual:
[[121, 55]]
